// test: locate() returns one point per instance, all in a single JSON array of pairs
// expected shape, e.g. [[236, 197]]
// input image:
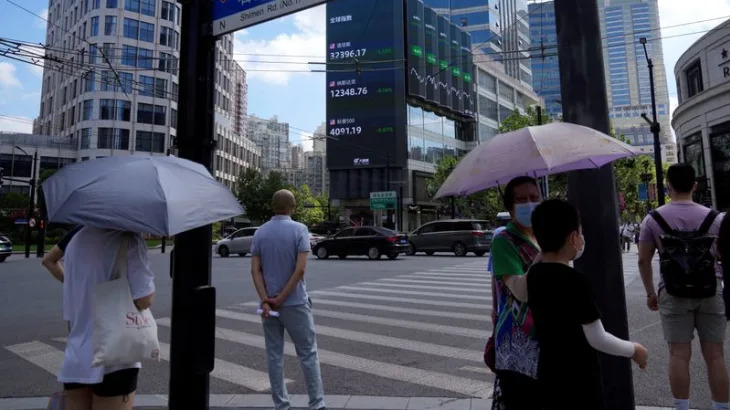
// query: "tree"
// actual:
[[12, 202], [248, 191], [310, 210]]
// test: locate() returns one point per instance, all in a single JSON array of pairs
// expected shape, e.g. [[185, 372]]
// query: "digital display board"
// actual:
[[366, 107], [440, 64]]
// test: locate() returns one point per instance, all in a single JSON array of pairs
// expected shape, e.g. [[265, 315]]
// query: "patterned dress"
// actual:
[[516, 343]]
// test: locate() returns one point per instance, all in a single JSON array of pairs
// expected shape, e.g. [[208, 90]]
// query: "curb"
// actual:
[[263, 401]]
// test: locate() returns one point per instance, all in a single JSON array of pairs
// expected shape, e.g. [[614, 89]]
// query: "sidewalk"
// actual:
[[263, 401]]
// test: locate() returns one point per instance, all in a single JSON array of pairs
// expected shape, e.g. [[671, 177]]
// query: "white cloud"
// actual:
[[305, 140], [22, 124], [42, 23], [289, 51], [8, 79]]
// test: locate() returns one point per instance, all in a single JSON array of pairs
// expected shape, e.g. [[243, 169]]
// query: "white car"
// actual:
[[238, 242]]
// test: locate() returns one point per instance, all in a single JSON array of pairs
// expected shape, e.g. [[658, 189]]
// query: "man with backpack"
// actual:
[[689, 295]]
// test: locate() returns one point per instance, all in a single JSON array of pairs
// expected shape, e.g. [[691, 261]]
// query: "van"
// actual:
[[458, 236]]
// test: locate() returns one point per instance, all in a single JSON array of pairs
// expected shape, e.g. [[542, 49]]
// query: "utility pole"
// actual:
[[593, 192], [543, 180], [193, 299], [31, 205], [655, 129]]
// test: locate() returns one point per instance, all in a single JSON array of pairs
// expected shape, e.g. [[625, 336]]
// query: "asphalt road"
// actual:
[[415, 326]]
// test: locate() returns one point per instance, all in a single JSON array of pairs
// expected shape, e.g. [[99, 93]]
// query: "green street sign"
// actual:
[[383, 200]]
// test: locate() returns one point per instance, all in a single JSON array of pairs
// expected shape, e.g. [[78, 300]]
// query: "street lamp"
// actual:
[[32, 198], [655, 128]]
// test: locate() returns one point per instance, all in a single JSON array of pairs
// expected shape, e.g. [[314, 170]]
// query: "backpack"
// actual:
[[686, 259]]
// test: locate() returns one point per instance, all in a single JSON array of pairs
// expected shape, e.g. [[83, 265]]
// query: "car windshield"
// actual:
[[385, 231]]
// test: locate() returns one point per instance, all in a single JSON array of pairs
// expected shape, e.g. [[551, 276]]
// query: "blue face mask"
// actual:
[[523, 213]]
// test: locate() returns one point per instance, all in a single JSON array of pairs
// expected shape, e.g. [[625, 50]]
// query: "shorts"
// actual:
[[681, 316], [119, 383]]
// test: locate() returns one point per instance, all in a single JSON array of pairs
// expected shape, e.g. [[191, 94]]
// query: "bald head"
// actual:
[[283, 202]]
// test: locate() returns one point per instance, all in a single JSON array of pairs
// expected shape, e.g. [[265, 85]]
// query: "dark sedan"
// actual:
[[371, 241]]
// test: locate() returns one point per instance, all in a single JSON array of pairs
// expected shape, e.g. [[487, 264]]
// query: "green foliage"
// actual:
[[515, 121], [310, 211], [13, 201]]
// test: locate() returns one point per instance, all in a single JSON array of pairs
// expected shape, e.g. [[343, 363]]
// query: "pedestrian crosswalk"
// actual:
[[420, 333]]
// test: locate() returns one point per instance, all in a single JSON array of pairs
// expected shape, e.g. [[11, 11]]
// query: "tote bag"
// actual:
[[122, 333]]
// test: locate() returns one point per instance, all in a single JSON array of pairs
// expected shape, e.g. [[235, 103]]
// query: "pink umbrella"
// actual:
[[534, 151]]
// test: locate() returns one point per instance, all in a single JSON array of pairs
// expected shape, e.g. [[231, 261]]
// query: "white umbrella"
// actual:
[[533, 151], [157, 195]]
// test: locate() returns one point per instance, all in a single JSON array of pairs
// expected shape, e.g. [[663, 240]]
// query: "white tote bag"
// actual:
[[122, 333]]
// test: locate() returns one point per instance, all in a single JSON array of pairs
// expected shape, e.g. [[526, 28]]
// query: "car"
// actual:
[[459, 236], [371, 241], [314, 239], [6, 247], [238, 242]]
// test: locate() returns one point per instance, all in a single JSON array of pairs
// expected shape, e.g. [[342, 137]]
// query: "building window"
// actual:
[[131, 5], [106, 109], [160, 88], [720, 149], [173, 118], [88, 111], [111, 4], [144, 58], [94, 31], [169, 37], [131, 28], [85, 138], [150, 141], [175, 91], [148, 7], [110, 26], [123, 110], [113, 138], [168, 63], [694, 79], [145, 113], [129, 55], [148, 85], [147, 32], [169, 11], [160, 115], [93, 53], [126, 79]]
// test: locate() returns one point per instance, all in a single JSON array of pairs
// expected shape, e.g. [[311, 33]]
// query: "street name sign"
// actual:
[[233, 15], [383, 200]]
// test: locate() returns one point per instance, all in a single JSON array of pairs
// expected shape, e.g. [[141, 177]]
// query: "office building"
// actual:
[[297, 157], [702, 119], [113, 85], [545, 65], [623, 24], [317, 175], [498, 28], [272, 138]]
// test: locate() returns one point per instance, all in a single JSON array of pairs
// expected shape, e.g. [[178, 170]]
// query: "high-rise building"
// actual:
[[297, 157], [623, 24], [319, 139], [545, 65], [113, 85], [317, 176], [498, 28], [272, 137]]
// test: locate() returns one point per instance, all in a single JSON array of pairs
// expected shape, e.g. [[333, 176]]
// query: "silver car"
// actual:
[[458, 236], [238, 242]]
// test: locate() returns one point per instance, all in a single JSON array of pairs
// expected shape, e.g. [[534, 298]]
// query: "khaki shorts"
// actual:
[[681, 316]]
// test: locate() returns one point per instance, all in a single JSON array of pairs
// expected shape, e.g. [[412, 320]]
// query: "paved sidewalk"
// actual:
[[263, 401]]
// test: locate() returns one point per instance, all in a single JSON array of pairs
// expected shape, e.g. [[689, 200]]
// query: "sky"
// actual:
[[290, 43]]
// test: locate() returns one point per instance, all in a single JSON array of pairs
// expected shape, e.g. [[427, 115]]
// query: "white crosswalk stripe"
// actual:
[[40, 354], [408, 311], [430, 282], [401, 300], [426, 287], [417, 293]]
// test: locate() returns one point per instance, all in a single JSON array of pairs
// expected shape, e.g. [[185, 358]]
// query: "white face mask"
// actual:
[[581, 250]]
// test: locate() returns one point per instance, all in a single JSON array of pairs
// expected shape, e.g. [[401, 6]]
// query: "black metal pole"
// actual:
[[193, 299], [593, 192], [31, 205], [655, 129], [543, 180], [164, 238]]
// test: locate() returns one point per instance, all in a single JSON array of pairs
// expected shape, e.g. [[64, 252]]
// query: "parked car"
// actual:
[[371, 241], [458, 236], [238, 242], [6, 247]]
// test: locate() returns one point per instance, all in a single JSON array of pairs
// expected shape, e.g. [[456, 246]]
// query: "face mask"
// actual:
[[523, 213], [581, 250]]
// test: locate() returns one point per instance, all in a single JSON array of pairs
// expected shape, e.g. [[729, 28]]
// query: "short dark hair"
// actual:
[[552, 223], [681, 177], [509, 190]]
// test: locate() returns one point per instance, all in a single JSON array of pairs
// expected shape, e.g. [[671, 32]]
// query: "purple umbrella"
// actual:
[[534, 151]]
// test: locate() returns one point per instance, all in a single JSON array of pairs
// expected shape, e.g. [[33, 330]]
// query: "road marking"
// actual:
[[376, 339], [447, 278], [432, 282], [450, 289], [231, 372], [417, 293], [474, 369], [482, 270], [396, 309], [454, 274], [391, 371], [483, 306], [40, 354]]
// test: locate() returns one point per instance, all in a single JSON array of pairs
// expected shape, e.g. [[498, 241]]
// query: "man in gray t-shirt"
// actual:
[[681, 316], [280, 249]]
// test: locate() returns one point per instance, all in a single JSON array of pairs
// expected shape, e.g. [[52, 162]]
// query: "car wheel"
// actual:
[[374, 253], [480, 253], [322, 253], [3, 258], [393, 256], [342, 256], [223, 252], [430, 253], [459, 249], [242, 254], [411, 249]]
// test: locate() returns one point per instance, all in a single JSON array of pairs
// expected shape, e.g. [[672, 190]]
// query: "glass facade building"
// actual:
[[545, 64]]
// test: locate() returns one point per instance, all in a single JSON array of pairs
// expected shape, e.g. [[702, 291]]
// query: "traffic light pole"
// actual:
[[193, 299], [31, 205], [593, 192], [655, 130]]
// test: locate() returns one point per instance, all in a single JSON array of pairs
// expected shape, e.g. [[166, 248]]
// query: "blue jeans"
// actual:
[[299, 323]]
